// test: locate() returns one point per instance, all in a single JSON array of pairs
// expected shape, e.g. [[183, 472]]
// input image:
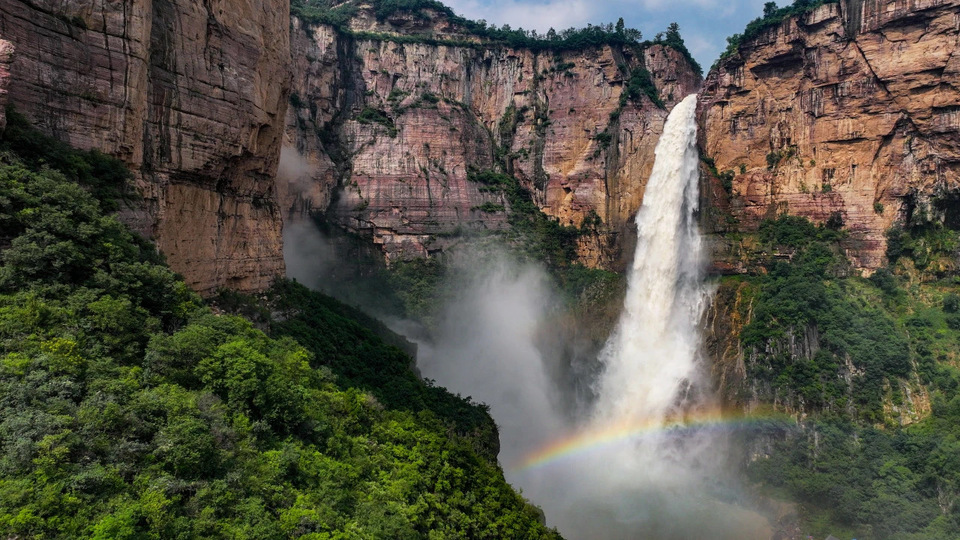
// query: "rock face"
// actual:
[[851, 110], [191, 95], [6, 57], [391, 130]]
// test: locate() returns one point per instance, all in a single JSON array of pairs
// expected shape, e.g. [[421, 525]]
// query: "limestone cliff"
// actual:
[[191, 95], [847, 113], [390, 129], [6, 56], [851, 110]]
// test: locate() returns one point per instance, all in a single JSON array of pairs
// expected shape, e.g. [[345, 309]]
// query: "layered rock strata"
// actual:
[[191, 95], [850, 111], [391, 130], [6, 57]]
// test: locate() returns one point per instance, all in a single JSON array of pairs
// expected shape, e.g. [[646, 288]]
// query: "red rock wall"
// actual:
[[191, 95], [6, 57], [862, 102], [451, 108]]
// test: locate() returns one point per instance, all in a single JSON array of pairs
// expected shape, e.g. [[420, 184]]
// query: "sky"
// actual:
[[704, 24]]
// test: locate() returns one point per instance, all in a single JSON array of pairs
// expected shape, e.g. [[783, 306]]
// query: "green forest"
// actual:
[[130, 408], [884, 344], [133, 408]]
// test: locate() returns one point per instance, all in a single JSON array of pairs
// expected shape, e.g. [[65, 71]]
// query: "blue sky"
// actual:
[[704, 24]]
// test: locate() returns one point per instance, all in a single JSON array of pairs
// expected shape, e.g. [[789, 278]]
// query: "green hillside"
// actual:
[[129, 409]]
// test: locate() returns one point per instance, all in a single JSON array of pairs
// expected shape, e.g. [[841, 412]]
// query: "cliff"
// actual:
[[6, 57], [391, 125], [385, 126], [191, 95], [850, 111]]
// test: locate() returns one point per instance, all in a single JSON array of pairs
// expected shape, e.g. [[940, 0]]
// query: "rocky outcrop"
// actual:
[[851, 110], [191, 95], [6, 57], [391, 130]]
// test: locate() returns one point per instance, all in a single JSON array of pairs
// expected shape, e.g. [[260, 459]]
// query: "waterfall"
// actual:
[[651, 360], [640, 464]]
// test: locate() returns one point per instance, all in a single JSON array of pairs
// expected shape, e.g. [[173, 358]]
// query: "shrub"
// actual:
[[726, 180], [773, 160], [953, 321], [790, 231], [489, 208], [604, 139], [835, 221], [884, 280], [107, 178], [640, 84], [951, 303]]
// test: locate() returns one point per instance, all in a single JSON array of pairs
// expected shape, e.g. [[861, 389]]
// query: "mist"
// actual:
[[485, 347], [294, 171], [311, 255], [629, 465], [620, 461], [491, 345], [308, 254], [317, 254]]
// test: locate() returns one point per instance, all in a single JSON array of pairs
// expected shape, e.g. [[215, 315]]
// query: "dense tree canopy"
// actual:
[[129, 409], [856, 471]]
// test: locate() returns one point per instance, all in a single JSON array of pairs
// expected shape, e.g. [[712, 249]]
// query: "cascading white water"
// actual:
[[651, 482], [616, 474], [651, 360]]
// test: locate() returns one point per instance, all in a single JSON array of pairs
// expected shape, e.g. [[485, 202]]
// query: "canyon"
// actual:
[[194, 99], [392, 130], [415, 134], [848, 112]]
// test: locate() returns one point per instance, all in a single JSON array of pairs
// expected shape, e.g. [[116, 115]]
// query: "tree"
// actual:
[[951, 303], [620, 26], [769, 9], [673, 32]]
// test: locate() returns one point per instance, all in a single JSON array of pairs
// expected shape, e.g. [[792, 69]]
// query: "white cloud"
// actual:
[[540, 15], [700, 46], [674, 4]]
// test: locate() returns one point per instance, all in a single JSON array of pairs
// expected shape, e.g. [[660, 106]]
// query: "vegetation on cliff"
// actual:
[[772, 16], [857, 481], [857, 350], [128, 409], [858, 357], [339, 14], [417, 289]]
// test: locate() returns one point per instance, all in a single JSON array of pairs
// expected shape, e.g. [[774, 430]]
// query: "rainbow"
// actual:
[[587, 441]]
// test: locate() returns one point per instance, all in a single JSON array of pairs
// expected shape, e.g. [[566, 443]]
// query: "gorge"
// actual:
[[582, 231], [622, 467]]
